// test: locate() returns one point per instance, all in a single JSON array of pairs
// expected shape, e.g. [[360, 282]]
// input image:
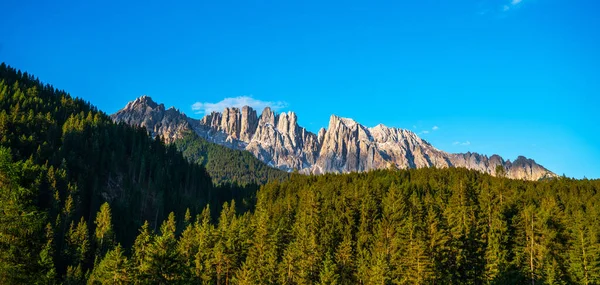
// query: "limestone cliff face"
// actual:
[[374, 148], [169, 124], [280, 142], [345, 146]]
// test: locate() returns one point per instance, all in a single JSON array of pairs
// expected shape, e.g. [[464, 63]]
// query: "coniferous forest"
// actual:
[[87, 201], [225, 165]]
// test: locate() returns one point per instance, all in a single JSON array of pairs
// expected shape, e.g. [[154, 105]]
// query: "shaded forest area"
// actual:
[[86, 201], [225, 165], [62, 158]]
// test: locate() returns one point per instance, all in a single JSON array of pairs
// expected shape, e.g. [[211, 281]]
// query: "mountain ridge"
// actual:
[[345, 146]]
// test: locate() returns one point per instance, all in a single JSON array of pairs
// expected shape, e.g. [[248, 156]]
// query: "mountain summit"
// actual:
[[345, 146]]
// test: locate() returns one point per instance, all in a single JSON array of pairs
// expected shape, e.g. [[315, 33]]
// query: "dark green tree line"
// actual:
[[426, 226]]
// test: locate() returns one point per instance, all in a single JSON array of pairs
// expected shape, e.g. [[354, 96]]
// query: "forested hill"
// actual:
[[424, 226], [225, 165], [60, 160]]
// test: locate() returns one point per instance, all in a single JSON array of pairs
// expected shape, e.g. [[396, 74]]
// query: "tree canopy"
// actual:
[[84, 200]]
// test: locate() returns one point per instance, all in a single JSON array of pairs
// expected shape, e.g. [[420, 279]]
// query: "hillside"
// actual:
[[61, 159], [227, 165]]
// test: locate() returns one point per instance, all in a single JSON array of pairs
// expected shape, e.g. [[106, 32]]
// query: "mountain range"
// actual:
[[345, 146]]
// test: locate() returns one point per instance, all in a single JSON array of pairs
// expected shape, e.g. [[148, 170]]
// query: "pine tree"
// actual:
[[245, 276], [165, 264], [554, 243], [583, 251], [344, 258], [437, 243], [113, 269], [104, 231], [462, 214], [531, 254], [262, 256], [21, 225], [388, 239], [187, 218], [46, 260], [364, 239], [328, 275], [205, 236], [379, 271], [305, 229], [141, 250], [78, 243], [188, 249], [416, 266], [497, 254], [288, 269]]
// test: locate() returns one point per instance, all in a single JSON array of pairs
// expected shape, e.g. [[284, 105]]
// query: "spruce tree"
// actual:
[[104, 230], [328, 274], [113, 269]]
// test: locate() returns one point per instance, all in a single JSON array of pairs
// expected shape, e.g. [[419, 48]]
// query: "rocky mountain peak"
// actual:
[[379, 127], [267, 117], [336, 121], [345, 146], [521, 160], [287, 123], [143, 111], [143, 100]]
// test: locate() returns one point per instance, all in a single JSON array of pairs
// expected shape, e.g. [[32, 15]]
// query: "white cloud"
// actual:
[[513, 3], [424, 132], [238, 102], [435, 128], [414, 127], [462, 143]]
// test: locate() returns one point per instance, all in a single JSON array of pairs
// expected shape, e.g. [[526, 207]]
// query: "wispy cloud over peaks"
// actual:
[[424, 132], [238, 102], [462, 143]]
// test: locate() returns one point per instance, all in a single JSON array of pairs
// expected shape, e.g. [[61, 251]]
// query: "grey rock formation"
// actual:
[[280, 142], [169, 124], [248, 124], [345, 146]]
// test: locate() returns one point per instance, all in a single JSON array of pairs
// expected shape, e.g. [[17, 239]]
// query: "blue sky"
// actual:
[[501, 77]]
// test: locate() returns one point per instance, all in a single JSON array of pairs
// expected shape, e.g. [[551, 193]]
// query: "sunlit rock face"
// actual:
[[345, 146]]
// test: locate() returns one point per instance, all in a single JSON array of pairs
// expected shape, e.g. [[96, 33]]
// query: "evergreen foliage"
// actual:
[[62, 161], [226, 165], [81, 201]]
